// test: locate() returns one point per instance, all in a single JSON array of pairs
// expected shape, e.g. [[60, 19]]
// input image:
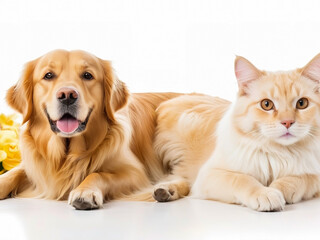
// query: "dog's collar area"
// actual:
[[81, 126]]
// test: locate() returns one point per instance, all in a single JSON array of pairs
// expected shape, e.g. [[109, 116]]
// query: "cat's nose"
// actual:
[[287, 123]]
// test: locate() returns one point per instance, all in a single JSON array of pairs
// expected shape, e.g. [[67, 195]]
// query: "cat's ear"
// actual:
[[312, 69], [245, 72]]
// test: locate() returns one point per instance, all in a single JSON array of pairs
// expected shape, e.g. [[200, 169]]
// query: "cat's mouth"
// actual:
[[287, 135], [287, 139]]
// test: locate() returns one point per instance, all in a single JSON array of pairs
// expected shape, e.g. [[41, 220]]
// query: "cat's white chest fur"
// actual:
[[265, 162]]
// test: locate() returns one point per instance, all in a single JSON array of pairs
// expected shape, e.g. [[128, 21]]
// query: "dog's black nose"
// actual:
[[67, 96]]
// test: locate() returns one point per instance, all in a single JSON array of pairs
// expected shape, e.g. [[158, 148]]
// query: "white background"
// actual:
[[163, 45]]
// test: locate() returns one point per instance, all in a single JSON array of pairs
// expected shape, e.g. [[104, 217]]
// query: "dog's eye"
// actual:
[[48, 76], [87, 76]]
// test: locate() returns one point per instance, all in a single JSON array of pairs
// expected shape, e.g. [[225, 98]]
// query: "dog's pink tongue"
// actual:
[[67, 125]]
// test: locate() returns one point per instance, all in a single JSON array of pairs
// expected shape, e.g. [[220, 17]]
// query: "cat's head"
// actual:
[[278, 107]]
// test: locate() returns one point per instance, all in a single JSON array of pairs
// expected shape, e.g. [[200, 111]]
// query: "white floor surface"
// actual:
[[184, 219]]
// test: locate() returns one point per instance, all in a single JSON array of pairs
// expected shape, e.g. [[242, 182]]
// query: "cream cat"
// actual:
[[262, 151]]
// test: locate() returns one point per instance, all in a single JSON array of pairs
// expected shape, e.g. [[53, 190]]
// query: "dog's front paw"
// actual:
[[165, 193], [85, 199], [266, 200], [5, 187]]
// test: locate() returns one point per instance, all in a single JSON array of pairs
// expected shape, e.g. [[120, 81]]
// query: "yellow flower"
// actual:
[[9, 140], [3, 155]]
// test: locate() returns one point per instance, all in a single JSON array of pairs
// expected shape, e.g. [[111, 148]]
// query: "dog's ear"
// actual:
[[20, 95], [116, 93]]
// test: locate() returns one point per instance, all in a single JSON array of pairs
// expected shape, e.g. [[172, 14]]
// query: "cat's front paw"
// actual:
[[266, 200], [291, 193], [85, 199]]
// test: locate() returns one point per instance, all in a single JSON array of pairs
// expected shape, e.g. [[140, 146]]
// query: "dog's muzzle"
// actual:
[[68, 123]]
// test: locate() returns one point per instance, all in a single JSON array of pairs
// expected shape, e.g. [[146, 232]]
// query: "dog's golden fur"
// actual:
[[112, 157]]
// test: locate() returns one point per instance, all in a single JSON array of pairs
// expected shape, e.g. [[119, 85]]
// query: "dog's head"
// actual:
[[66, 89]]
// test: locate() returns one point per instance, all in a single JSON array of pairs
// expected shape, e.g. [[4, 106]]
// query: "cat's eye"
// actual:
[[266, 104], [302, 103]]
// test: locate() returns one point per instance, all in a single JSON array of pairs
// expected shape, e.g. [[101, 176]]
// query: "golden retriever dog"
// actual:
[[84, 138]]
